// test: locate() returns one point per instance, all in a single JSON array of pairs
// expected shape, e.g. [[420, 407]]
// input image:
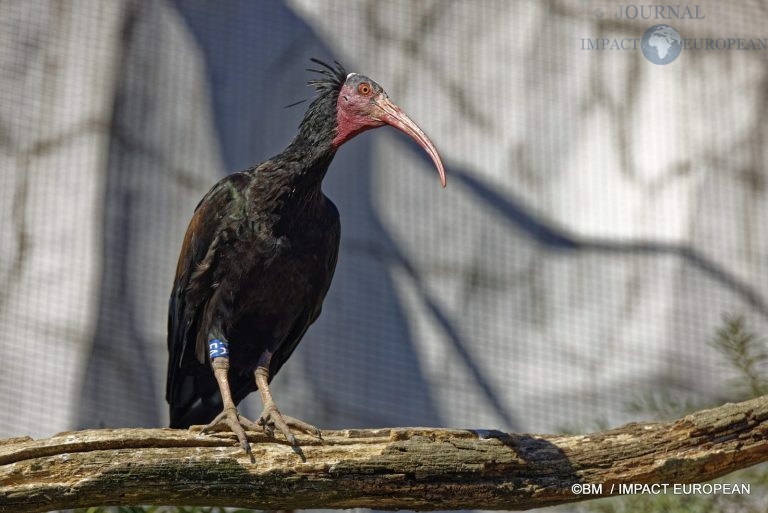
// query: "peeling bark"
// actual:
[[398, 468]]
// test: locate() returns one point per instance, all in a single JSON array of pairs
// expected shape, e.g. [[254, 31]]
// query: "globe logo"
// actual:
[[661, 44]]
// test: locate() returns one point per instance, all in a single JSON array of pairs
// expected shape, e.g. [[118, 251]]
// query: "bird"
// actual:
[[257, 260]]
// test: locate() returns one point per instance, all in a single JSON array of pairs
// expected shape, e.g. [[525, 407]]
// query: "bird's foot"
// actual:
[[230, 418], [271, 418]]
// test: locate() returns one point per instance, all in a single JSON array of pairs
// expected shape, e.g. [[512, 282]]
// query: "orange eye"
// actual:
[[364, 89]]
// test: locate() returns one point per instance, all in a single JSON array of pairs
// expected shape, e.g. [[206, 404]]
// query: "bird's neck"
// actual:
[[299, 170], [293, 179], [312, 148], [310, 157]]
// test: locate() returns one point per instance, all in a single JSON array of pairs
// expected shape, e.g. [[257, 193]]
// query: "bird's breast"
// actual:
[[277, 269]]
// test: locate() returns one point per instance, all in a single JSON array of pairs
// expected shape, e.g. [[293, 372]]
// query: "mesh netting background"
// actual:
[[602, 212]]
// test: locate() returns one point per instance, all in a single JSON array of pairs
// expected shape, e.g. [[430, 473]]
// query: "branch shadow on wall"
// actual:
[[559, 239]]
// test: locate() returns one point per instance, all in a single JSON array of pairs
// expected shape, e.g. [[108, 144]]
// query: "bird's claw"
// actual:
[[230, 418], [271, 418]]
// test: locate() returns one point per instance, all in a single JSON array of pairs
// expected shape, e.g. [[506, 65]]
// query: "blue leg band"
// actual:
[[217, 348]]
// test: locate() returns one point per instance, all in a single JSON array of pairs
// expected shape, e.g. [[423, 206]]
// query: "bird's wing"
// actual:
[[312, 312], [215, 216]]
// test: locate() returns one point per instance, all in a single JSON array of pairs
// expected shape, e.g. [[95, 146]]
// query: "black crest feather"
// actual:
[[330, 84], [333, 79]]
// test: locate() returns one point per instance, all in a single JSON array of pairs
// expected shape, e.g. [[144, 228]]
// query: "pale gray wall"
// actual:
[[601, 213]]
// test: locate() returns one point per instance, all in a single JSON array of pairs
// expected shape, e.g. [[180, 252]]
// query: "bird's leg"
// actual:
[[271, 417], [229, 416]]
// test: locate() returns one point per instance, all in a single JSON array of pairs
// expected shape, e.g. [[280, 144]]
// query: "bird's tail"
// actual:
[[194, 398], [197, 399], [201, 411]]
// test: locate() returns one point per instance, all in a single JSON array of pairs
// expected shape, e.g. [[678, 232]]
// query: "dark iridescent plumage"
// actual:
[[257, 261]]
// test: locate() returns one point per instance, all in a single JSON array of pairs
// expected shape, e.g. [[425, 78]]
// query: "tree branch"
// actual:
[[400, 468]]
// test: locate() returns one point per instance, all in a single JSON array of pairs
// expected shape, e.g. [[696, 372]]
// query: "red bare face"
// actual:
[[363, 105]]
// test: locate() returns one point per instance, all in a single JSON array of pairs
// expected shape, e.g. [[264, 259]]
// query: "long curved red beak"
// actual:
[[395, 117]]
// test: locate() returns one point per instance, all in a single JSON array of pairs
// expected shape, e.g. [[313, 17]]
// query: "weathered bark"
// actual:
[[407, 468]]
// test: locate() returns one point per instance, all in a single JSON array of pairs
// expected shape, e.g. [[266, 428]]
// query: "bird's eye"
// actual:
[[364, 89]]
